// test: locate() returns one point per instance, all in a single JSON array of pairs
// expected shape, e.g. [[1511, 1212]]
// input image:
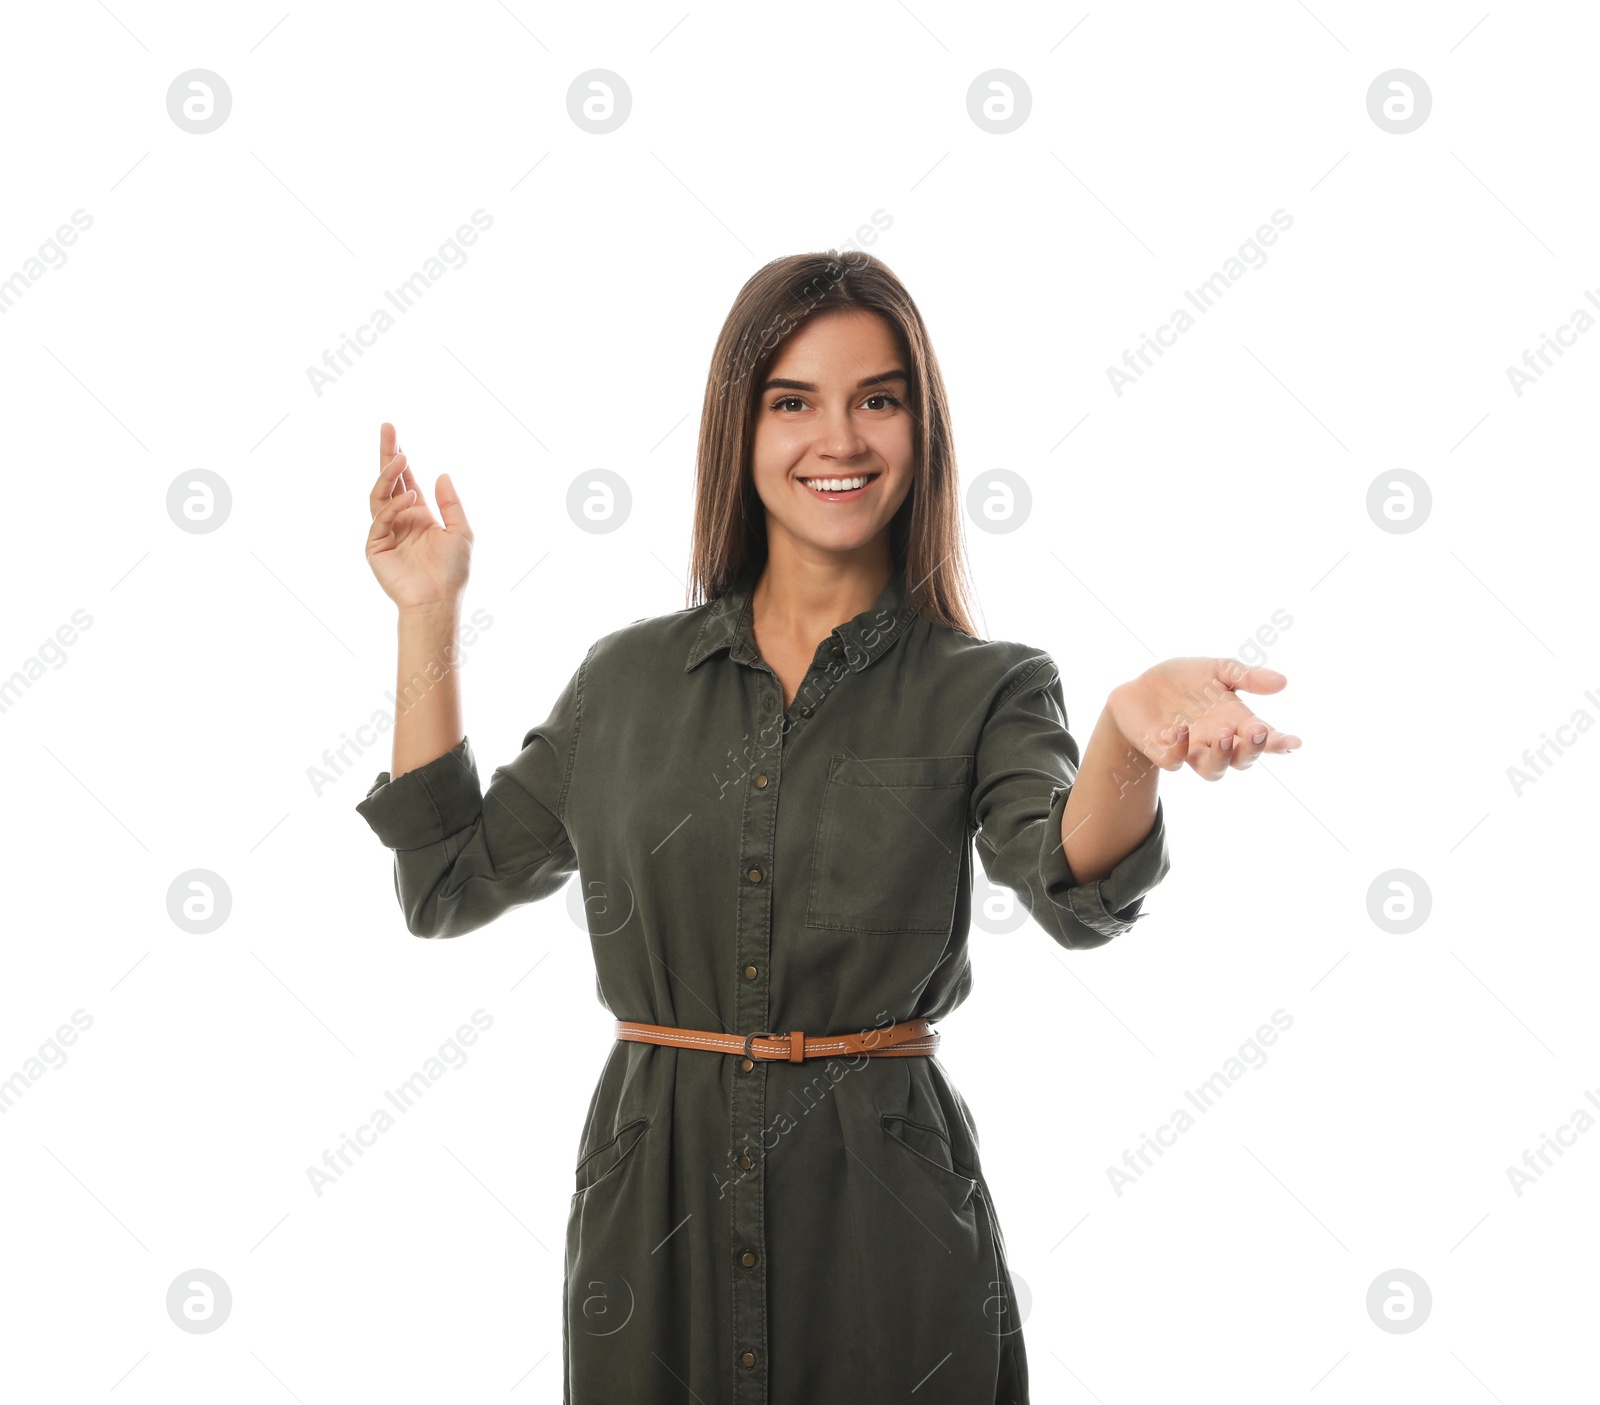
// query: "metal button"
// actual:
[[748, 1359], [750, 973], [805, 712], [745, 1163], [761, 782], [747, 1064], [748, 1258], [836, 651], [754, 875]]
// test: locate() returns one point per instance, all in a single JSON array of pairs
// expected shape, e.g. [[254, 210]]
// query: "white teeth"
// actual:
[[835, 485]]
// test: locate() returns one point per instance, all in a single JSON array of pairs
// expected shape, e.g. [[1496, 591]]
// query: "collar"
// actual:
[[865, 638]]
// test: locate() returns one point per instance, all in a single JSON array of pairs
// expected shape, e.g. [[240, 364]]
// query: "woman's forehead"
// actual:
[[844, 344]]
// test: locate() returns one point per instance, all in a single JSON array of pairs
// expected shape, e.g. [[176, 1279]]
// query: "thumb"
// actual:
[[1257, 679], [455, 517]]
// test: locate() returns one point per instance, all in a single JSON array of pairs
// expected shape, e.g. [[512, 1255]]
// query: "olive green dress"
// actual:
[[794, 1233]]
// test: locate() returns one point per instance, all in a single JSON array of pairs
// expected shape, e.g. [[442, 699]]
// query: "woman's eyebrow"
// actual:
[[860, 384]]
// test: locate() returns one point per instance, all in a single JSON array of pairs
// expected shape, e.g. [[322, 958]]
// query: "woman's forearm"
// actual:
[[427, 719], [1112, 807]]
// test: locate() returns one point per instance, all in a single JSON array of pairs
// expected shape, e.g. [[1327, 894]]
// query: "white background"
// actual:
[[182, 727]]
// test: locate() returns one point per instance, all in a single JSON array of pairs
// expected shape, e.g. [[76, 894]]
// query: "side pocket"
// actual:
[[605, 1160], [930, 1148]]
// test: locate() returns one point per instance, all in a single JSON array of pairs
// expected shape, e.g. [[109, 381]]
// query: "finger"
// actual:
[[398, 475], [455, 517], [1278, 743], [1210, 749], [382, 535], [406, 480], [384, 483], [388, 447], [395, 478], [1169, 749], [1247, 678], [1250, 740]]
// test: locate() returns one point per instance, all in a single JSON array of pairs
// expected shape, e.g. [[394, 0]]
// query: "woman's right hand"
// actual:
[[419, 564]]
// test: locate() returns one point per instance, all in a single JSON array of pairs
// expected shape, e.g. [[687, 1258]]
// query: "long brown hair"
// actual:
[[730, 528]]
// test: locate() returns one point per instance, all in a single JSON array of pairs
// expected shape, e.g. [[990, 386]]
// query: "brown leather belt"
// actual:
[[906, 1037]]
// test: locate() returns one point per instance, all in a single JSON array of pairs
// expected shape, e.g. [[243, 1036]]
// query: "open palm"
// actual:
[[1187, 711]]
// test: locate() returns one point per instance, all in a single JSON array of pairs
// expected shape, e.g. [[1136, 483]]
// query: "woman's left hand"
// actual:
[[1187, 710]]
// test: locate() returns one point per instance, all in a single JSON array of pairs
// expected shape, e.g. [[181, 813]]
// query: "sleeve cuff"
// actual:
[[427, 804], [1111, 905]]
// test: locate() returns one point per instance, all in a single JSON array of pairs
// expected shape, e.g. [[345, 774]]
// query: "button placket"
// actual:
[[752, 999], [825, 674], [846, 651]]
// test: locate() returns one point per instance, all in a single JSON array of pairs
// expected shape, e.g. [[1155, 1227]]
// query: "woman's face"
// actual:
[[832, 409]]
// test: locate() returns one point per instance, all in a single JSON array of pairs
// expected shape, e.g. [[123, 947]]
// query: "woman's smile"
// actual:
[[841, 487]]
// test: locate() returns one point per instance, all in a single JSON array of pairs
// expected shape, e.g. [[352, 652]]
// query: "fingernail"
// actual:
[[1259, 738], [1226, 744]]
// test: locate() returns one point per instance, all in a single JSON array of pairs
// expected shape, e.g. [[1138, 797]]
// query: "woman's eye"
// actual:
[[782, 401]]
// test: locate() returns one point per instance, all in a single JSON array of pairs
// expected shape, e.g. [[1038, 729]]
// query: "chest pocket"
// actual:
[[889, 843]]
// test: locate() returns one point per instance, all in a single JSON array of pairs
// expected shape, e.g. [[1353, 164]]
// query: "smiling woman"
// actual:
[[832, 462], [786, 783]]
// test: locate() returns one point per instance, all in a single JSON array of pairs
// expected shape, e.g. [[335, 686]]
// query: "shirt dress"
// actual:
[[774, 1232]]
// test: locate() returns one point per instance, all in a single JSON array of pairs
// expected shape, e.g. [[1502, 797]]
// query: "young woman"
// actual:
[[770, 800]]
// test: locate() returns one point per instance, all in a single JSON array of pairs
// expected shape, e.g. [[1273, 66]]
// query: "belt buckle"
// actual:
[[760, 1034]]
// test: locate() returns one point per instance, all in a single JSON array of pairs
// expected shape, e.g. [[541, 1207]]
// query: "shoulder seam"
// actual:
[[1042, 661]]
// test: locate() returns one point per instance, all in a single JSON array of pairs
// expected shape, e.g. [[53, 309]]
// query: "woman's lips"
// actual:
[[839, 494]]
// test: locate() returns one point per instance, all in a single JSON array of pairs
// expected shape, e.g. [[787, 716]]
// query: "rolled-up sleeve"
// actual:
[[1026, 763], [463, 856]]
